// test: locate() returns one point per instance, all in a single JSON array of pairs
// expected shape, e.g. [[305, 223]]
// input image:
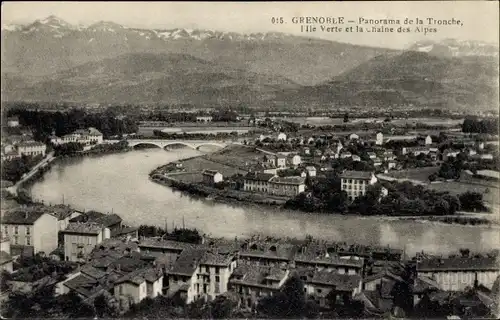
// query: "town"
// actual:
[[59, 261]]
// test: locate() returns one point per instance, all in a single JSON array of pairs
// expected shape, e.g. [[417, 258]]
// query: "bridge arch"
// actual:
[[145, 143], [213, 144]]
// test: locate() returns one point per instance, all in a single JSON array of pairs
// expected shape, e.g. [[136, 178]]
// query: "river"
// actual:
[[119, 183]]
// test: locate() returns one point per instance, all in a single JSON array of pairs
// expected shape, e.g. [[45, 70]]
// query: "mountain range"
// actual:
[[52, 60]]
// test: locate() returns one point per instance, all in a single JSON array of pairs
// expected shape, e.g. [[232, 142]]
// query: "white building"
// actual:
[[311, 171], [80, 238], [281, 137], [286, 186], [354, 183], [257, 182], [87, 137], [428, 140], [212, 177], [296, 160], [31, 148], [204, 119], [12, 122], [379, 139], [281, 161], [353, 136]]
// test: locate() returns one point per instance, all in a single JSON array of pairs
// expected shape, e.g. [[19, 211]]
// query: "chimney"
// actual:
[[26, 215]]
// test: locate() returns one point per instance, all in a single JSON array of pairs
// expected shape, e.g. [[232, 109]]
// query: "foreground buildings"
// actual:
[[355, 183]]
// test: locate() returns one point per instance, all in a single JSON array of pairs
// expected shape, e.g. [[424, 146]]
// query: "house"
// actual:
[[371, 155], [321, 259], [391, 164], [356, 158], [267, 254], [12, 122], [455, 274], [354, 183], [5, 257], [449, 153], [328, 287], [379, 140], [345, 154], [256, 181], [296, 160], [204, 118], [170, 249], [112, 221], [415, 151], [212, 177], [182, 276], [353, 136], [140, 284], [30, 230], [31, 148], [63, 214], [252, 283], [80, 238], [311, 171], [286, 186], [401, 138], [428, 140], [87, 137], [306, 151], [281, 137], [423, 285], [377, 162], [214, 273], [388, 155], [280, 160]]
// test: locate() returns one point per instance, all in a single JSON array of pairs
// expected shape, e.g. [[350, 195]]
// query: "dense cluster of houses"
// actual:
[[131, 268], [16, 146]]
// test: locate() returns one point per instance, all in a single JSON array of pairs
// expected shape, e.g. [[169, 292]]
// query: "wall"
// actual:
[[71, 242], [45, 233], [458, 281], [138, 293]]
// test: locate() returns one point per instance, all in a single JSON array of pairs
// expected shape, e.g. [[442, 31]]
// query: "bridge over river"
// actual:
[[162, 143]]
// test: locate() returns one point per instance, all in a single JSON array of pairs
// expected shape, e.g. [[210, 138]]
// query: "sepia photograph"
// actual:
[[250, 160]]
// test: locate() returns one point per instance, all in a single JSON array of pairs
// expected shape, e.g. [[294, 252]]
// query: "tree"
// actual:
[[346, 117], [464, 252], [290, 302]]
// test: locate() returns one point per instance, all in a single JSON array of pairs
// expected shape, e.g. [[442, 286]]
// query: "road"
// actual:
[[49, 158]]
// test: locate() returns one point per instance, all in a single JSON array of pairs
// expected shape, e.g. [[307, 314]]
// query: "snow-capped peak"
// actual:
[[11, 27], [55, 22]]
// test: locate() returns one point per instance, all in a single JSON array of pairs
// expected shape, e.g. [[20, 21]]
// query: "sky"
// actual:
[[480, 18]]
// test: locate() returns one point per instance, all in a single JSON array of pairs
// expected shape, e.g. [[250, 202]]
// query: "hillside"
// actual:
[[413, 78], [149, 78]]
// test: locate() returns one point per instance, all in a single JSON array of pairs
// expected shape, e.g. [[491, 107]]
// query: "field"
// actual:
[[212, 129], [419, 174], [195, 166], [318, 121], [238, 156], [456, 188]]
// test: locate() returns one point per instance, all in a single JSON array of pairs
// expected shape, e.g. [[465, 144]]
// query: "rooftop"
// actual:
[[342, 282], [106, 220], [27, 216], [84, 228], [458, 264], [280, 251], [216, 259], [187, 262], [165, 244], [262, 276], [139, 276], [30, 144], [210, 172], [288, 180], [259, 176], [84, 285], [312, 257], [360, 175]]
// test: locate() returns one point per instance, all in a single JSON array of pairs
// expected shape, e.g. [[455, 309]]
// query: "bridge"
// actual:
[[194, 144]]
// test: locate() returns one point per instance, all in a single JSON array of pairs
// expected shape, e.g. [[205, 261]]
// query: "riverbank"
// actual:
[[186, 176]]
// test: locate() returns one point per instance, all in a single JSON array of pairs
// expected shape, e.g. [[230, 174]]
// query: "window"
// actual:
[[216, 270], [28, 230], [28, 241], [16, 240], [16, 230], [6, 230], [207, 269], [217, 279], [318, 290]]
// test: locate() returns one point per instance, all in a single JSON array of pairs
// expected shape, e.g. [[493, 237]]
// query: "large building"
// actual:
[[31, 148], [140, 284], [87, 137], [30, 230], [286, 186], [354, 183], [257, 182], [455, 274], [252, 283], [80, 238]]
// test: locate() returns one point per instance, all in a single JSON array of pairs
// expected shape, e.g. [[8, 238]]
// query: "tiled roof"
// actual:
[[84, 285], [165, 244], [30, 144], [458, 264], [187, 262], [259, 176], [288, 180], [210, 172], [362, 175], [334, 260], [342, 282], [216, 259], [279, 251], [4, 257], [83, 228], [139, 276], [423, 284], [106, 220], [384, 274], [248, 274], [92, 272], [25, 216]]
